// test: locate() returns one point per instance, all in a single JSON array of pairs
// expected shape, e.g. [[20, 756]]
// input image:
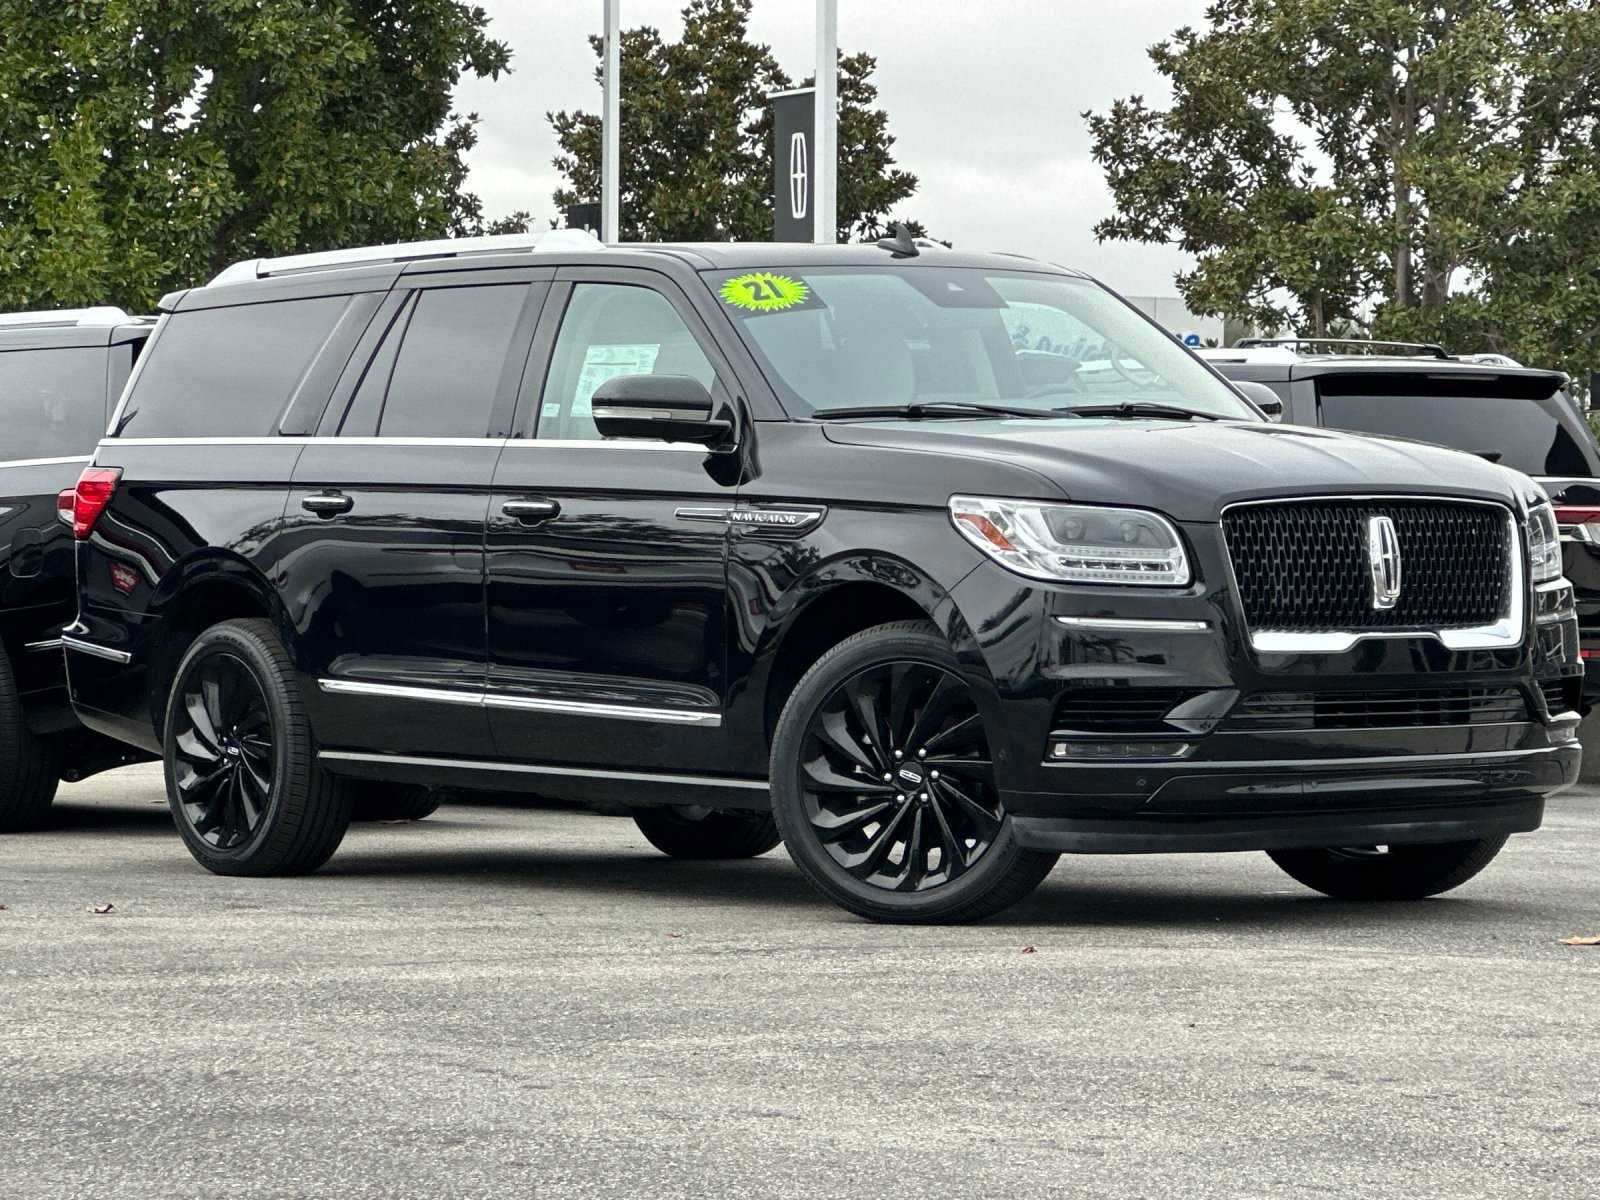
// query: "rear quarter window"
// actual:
[[52, 402], [228, 372]]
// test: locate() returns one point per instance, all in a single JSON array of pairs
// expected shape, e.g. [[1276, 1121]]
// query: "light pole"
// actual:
[[825, 204], [610, 111]]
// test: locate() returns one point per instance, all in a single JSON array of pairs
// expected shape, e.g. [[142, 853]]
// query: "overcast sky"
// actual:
[[984, 98]]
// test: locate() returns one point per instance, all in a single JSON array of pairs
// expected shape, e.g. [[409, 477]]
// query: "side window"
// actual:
[[610, 330], [228, 372], [52, 402], [451, 358]]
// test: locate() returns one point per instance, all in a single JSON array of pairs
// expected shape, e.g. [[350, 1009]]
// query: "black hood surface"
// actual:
[[1191, 470]]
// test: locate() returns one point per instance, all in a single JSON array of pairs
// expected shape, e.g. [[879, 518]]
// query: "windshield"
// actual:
[[850, 337]]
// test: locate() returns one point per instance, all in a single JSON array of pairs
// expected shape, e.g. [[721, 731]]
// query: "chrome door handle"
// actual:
[[531, 512], [329, 504]]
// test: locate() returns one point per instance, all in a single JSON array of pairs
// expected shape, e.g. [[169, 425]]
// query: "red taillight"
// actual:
[[95, 486], [1576, 514], [65, 502]]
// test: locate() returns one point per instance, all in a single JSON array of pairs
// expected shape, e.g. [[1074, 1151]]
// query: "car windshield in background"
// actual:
[[839, 338], [1525, 434]]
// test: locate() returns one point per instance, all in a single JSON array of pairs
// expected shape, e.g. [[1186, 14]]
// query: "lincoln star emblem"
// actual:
[[797, 176], [1383, 557]]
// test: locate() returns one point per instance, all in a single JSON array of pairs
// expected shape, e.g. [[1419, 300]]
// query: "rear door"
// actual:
[[386, 583], [607, 559]]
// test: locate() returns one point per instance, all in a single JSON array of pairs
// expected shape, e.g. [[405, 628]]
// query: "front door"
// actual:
[[385, 581], [607, 559]]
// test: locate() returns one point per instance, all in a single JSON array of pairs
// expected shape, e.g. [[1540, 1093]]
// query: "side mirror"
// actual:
[[664, 408], [1263, 397]]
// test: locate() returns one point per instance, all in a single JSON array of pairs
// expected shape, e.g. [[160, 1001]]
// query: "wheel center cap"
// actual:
[[910, 775]]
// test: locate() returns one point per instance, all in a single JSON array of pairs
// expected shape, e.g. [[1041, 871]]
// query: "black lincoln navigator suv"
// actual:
[[933, 565], [60, 375]]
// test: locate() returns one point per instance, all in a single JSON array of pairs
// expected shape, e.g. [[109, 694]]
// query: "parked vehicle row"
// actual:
[[800, 542]]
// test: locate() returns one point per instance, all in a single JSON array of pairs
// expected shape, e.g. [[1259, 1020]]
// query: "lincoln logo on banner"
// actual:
[[797, 177]]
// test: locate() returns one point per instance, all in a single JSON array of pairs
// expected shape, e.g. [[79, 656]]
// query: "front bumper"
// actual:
[[1237, 786]]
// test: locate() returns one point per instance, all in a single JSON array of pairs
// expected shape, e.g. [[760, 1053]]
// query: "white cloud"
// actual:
[[984, 96]]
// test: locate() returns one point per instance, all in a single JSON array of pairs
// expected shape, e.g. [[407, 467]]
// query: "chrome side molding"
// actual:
[[572, 708], [520, 768]]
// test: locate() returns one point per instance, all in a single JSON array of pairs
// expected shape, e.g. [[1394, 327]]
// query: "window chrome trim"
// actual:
[[1152, 625], [470, 764], [295, 440], [1504, 634], [571, 708], [46, 462], [96, 651], [41, 647]]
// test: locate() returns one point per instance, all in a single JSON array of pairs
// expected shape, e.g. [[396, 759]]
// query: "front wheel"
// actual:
[[242, 776], [1406, 872], [706, 834], [883, 785]]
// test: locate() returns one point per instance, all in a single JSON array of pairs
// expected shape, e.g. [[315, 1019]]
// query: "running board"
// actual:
[[588, 784]]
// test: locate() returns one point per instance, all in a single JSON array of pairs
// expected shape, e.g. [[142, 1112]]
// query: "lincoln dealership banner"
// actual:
[[794, 130]]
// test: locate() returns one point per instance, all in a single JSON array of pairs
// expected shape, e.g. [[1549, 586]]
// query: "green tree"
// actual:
[[1422, 169], [696, 136], [145, 144]]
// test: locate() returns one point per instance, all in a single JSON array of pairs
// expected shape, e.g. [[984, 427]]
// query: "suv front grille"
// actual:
[[1302, 566], [1377, 709]]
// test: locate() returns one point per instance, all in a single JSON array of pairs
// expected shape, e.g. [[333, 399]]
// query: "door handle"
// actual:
[[531, 512], [329, 504]]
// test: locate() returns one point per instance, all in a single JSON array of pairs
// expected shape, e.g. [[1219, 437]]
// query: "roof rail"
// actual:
[[332, 260], [1421, 348], [63, 318]]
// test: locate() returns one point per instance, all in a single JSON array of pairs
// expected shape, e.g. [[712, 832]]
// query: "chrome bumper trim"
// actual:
[[1133, 624], [97, 651]]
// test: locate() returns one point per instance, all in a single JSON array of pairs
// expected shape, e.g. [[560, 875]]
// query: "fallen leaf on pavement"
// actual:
[[1581, 941], [1029, 950], [5, 908], [674, 935], [102, 909]]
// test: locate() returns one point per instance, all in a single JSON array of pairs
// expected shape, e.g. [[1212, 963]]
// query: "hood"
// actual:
[[1190, 470]]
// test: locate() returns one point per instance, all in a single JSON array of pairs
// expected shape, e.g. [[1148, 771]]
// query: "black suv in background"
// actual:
[[1483, 404], [935, 565], [60, 375]]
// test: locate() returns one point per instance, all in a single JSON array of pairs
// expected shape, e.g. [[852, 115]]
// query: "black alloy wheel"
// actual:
[[243, 781], [225, 752], [884, 787], [897, 779]]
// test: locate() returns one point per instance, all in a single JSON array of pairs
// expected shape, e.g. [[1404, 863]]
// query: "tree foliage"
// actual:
[[1422, 169], [696, 135], [145, 144]]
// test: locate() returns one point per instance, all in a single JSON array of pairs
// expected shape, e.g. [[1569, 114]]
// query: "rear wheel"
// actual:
[[704, 833], [30, 766], [371, 800], [242, 776], [884, 789], [1405, 872]]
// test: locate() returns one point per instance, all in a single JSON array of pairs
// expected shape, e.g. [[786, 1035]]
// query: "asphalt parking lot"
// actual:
[[511, 1001]]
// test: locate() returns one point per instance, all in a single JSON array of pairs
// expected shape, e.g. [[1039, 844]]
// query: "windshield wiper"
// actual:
[[1139, 408], [935, 408]]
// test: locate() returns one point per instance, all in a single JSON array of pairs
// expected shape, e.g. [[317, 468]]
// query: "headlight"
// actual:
[[1544, 543], [1073, 543]]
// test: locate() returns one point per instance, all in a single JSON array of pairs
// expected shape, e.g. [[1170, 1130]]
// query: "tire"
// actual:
[[30, 766], [372, 800], [1405, 872], [704, 834], [264, 763], [835, 787]]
